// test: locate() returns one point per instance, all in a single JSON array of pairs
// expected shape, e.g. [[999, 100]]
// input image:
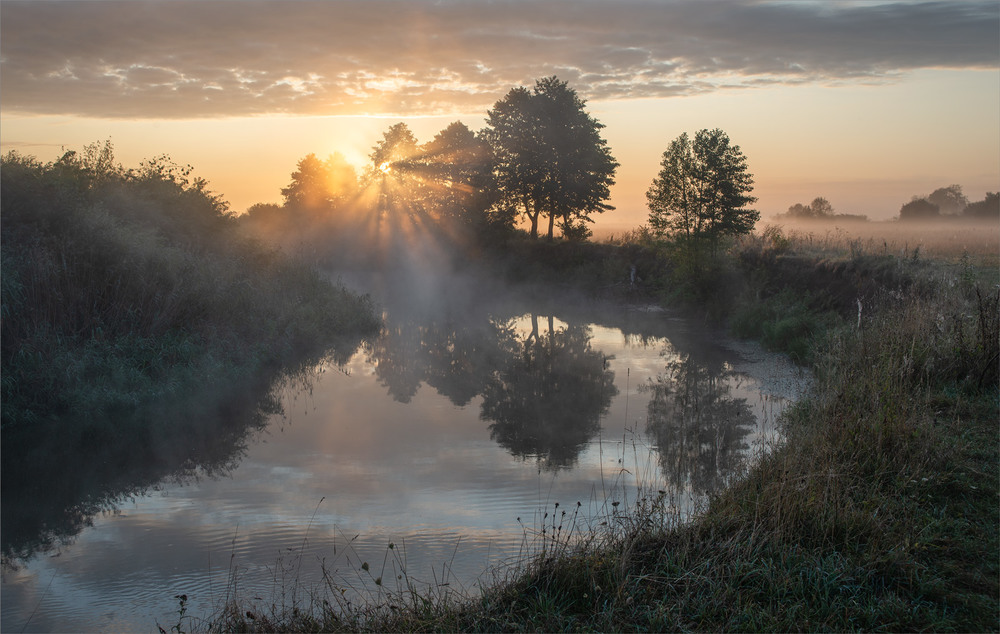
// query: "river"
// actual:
[[429, 456]]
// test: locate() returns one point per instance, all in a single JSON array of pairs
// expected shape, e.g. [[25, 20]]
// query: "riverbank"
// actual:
[[878, 511], [126, 287], [143, 336]]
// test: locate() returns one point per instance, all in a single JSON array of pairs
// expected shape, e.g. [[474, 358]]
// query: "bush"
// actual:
[[122, 286]]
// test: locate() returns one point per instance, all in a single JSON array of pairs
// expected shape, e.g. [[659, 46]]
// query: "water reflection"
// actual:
[[699, 428], [58, 476], [541, 386], [439, 434], [547, 398], [543, 391]]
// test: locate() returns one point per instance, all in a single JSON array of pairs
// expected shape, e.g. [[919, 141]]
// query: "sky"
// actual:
[[864, 103]]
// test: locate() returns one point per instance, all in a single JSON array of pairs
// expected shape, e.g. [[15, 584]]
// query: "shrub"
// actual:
[[112, 279]]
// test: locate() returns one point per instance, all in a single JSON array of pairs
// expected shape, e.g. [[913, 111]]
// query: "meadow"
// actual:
[[947, 240]]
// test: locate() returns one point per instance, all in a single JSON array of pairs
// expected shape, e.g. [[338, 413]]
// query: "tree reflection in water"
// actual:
[[699, 429], [547, 400], [395, 355], [543, 393], [58, 476], [455, 361]]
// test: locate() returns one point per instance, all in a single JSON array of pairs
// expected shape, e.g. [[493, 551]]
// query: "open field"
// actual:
[[946, 241]]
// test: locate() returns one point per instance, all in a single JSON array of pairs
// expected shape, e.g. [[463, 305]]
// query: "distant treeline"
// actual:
[[121, 287], [949, 203], [819, 209], [944, 203]]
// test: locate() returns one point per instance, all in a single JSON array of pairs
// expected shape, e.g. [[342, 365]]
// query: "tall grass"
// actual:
[[943, 241], [879, 512]]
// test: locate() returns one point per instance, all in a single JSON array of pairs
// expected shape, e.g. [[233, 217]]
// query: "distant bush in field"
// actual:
[[986, 209], [919, 209], [949, 203]]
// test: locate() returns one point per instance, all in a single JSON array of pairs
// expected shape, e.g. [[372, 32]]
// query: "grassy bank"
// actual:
[[878, 512], [124, 288]]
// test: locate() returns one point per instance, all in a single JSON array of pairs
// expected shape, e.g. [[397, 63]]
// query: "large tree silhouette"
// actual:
[[548, 155], [919, 209], [987, 208], [456, 164], [950, 199], [702, 192], [397, 144]]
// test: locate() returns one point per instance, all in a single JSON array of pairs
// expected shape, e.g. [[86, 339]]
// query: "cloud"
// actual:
[[183, 59]]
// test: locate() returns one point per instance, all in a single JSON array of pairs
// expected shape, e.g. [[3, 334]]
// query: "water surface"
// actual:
[[450, 437]]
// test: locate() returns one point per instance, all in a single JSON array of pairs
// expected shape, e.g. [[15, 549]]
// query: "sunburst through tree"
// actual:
[[419, 199], [540, 157]]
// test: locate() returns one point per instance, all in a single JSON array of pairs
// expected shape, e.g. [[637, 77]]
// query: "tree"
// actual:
[[319, 184], [950, 200], [263, 212], [702, 192], [673, 197], [987, 208], [387, 169], [798, 210], [919, 209], [397, 144], [821, 208], [456, 165], [548, 155]]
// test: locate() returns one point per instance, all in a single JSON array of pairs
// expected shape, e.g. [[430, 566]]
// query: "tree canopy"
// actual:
[[455, 167], [703, 190], [987, 208], [949, 203], [549, 158], [819, 208], [919, 209], [950, 199], [320, 183], [397, 144]]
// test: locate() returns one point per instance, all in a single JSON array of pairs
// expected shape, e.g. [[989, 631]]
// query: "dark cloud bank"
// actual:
[[180, 59]]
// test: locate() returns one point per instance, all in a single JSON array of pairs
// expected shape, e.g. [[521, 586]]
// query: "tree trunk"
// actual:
[[552, 336], [552, 222]]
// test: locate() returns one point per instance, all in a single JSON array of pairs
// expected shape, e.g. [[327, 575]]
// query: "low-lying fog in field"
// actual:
[[940, 239]]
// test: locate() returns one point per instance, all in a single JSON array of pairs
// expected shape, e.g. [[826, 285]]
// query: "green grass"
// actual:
[[878, 511]]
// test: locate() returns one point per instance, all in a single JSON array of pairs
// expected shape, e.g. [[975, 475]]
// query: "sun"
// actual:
[[385, 167]]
